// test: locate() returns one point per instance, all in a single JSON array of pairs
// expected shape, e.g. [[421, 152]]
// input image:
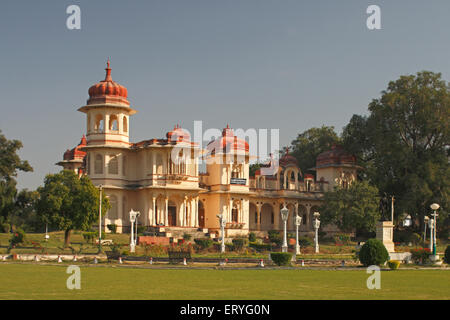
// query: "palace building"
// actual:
[[160, 178]]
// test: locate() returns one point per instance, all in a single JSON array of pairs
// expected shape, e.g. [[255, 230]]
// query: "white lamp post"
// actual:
[[434, 207], [425, 220], [284, 217], [431, 226], [222, 222], [100, 220], [297, 221], [133, 217], [316, 226], [407, 221]]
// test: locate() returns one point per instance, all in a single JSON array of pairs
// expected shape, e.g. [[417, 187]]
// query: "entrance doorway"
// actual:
[[201, 215], [172, 214]]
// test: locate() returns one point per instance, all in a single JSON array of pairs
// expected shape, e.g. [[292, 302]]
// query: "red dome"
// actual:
[[178, 134], [227, 143], [336, 156], [287, 159], [108, 91]]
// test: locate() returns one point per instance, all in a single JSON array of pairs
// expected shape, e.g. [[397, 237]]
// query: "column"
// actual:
[[258, 216], [276, 220], [196, 212], [153, 222], [185, 212], [166, 218]]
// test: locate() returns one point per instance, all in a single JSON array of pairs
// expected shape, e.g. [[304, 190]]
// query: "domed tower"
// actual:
[[336, 166], [227, 165], [107, 138], [107, 112]]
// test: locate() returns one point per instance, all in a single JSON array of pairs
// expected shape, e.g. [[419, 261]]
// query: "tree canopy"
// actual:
[[67, 202], [403, 143], [10, 164], [352, 208], [310, 143]]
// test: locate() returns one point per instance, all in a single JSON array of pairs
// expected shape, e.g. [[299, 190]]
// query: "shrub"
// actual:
[[447, 255], [304, 242], [89, 236], [251, 237], [342, 238], [112, 228], [187, 236], [17, 237], [275, 237], [141, 229], [260, 247], [281, 258], [420, 255], [203, 243], [238, 244], [373, 252], [5, 227], [393, 264]]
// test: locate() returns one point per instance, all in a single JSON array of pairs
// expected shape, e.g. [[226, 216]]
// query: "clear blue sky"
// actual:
[[286, 64]]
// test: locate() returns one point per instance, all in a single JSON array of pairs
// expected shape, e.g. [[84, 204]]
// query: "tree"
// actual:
[[309, 144], [404, 144], [352, 208], [10, 164], [67, 202], [24, 212]]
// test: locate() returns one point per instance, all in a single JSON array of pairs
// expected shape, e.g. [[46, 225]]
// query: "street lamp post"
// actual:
[[431, 226], [222, 222], [133, 217], [425, 220], [316, 226], [434, 207], [298, 222], [284, 217], [100, 220]]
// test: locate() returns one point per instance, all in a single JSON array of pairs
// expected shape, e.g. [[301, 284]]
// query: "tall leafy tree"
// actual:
[[352, 208], [310, 143], [404, 143], [10, 164], [67, 202]]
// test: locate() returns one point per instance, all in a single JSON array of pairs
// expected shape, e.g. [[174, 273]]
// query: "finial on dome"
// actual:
[[108, 71]]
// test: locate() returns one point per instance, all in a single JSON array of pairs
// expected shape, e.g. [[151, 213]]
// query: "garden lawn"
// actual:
[[33, 281]]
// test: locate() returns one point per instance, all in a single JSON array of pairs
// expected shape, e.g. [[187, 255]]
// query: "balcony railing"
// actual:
[[302, 186]]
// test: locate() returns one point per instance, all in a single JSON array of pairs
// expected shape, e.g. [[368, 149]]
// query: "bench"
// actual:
[[106, 241], [179, 256]]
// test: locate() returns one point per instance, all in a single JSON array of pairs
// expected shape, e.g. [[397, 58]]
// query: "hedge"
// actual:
[[447, 255], [373, 252], [203, 243], [239, 243], [393, 264], [260, 247], [281, 258]]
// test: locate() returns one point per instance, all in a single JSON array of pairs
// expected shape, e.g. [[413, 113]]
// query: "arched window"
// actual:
[[125, 124], [159, 164], [113, 165], [88, 120], [98, 166], [235, 211], [113, 123], [112, 212], [99, 125]]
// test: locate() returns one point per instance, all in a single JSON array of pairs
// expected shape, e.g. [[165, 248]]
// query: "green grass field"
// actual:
[[31, 281]]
